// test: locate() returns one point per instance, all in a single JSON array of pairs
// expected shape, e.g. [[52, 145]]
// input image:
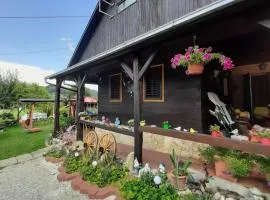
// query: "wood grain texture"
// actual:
[[136, 20]]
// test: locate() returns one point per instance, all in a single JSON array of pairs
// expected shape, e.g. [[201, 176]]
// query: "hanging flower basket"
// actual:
[[195, 69], [196, 58]]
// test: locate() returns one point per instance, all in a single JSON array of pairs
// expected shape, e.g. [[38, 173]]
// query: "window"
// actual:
[[115, 87], [153, 84], [122, 5]]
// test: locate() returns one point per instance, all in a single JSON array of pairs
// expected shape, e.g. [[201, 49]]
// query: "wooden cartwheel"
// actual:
[[107, 144], [91, 140]]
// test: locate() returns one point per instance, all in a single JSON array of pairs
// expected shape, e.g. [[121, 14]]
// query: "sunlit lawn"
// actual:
[[16, 141]]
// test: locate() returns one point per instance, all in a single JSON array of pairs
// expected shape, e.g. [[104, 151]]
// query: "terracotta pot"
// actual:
[[216, 134], [195, 69], [254, 138], [265, 141], [256, 173], [181, 181], [223, 171]]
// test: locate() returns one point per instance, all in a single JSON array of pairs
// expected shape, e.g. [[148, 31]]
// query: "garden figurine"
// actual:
[[117, 121], [161, 168]]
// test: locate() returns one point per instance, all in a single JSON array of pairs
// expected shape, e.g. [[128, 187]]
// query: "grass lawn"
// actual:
[[15, 141]]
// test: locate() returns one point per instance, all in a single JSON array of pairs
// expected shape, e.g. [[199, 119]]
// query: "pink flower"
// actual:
[[189, 49], [209, 49], [200, 50], [187, 56], [207, 56], [227, 63]]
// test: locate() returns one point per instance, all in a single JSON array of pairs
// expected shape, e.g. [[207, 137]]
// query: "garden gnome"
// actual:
[[136, 166], [161, 168], [117, 121], [145, 169], [103, 119]]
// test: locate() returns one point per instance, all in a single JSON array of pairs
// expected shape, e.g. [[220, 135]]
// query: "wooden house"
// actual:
[[126, 50]]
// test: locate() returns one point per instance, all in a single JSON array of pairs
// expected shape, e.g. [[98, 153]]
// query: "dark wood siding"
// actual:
[[181, 106], [136, 20]]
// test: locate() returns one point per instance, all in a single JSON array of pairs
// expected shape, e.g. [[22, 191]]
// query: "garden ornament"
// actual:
[[166, 125], [161, 168], [94, 163], [117, 121], [157, 180]]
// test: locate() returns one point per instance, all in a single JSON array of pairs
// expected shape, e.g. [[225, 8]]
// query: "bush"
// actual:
[[240, 167], [138, 189], [56, 153], [65, 122]]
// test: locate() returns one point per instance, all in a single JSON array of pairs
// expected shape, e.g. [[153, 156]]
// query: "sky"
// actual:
[[53, 40]]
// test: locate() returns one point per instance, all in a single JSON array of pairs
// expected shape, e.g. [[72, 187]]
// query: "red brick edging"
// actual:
[[92, 190]]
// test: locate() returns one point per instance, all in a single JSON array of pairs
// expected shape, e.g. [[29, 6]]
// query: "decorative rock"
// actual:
[[184, 192], [222, 198], [217, 196], [92, 191], [255, 191], [230, 198]]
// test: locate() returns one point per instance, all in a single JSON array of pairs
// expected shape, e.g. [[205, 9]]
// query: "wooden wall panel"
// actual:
[[139, 18]]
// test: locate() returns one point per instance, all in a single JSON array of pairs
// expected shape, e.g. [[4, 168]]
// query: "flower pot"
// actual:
[[257, 174], [223, 171], [254, 138], [216, 134], [181, 181], [195, 69], [265, 141]]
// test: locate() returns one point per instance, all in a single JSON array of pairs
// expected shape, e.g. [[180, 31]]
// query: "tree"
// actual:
[[8, 82]]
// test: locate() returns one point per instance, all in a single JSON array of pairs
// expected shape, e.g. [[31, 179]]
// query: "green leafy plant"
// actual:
[[239, 167], [214, 127], [264, 133], [208, 154], [192, 196], [74, 164], [55, 152], [138, 189]]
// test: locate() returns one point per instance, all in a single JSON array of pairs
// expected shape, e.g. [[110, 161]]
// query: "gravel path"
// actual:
[[35, 180]]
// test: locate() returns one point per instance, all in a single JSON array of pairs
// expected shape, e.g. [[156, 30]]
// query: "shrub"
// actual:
[[240, 167]]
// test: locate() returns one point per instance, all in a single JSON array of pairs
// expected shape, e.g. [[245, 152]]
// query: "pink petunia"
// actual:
[[207, 56]]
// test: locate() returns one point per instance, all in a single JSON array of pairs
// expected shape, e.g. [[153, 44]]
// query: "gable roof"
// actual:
[[96, 16]]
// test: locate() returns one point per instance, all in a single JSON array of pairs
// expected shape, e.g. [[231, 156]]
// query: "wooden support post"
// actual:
[[31, 115], [138, 139], [80, 105], [136, 75], [57, 107]]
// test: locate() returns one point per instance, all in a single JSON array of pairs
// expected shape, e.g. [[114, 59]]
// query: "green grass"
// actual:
[[16, 141]]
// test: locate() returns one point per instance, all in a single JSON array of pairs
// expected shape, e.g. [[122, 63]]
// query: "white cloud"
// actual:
[[69, 43], [26, 73]]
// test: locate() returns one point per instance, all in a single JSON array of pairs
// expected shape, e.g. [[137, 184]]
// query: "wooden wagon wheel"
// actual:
[[107, 144], [91, 140]]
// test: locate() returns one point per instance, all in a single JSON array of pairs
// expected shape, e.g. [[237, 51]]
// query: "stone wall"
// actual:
[[183, 148]]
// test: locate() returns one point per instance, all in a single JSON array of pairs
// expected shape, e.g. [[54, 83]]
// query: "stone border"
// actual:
[[92, 190], [23, 158]]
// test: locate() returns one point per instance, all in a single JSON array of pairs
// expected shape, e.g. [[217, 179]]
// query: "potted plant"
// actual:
[[265, 137], [180, 171], [195, 58], [215, 131], [166, 125]]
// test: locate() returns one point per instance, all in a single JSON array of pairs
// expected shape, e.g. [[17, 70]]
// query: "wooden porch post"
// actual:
[[138, 138], [136, 75], [80, 105], [56, 107]]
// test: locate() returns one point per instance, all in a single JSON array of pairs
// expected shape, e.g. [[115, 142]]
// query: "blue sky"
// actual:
[[28, 35]]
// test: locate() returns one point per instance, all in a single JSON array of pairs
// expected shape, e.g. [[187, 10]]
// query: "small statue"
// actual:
[[103, 118], [145, 169], [136, 166], [161, 168], [117, 121]]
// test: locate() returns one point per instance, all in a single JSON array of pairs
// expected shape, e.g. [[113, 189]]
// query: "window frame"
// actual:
[[120, 82], [121, 2], [162, 86]]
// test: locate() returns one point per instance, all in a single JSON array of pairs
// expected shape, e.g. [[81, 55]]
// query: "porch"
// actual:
[[181, 99]]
